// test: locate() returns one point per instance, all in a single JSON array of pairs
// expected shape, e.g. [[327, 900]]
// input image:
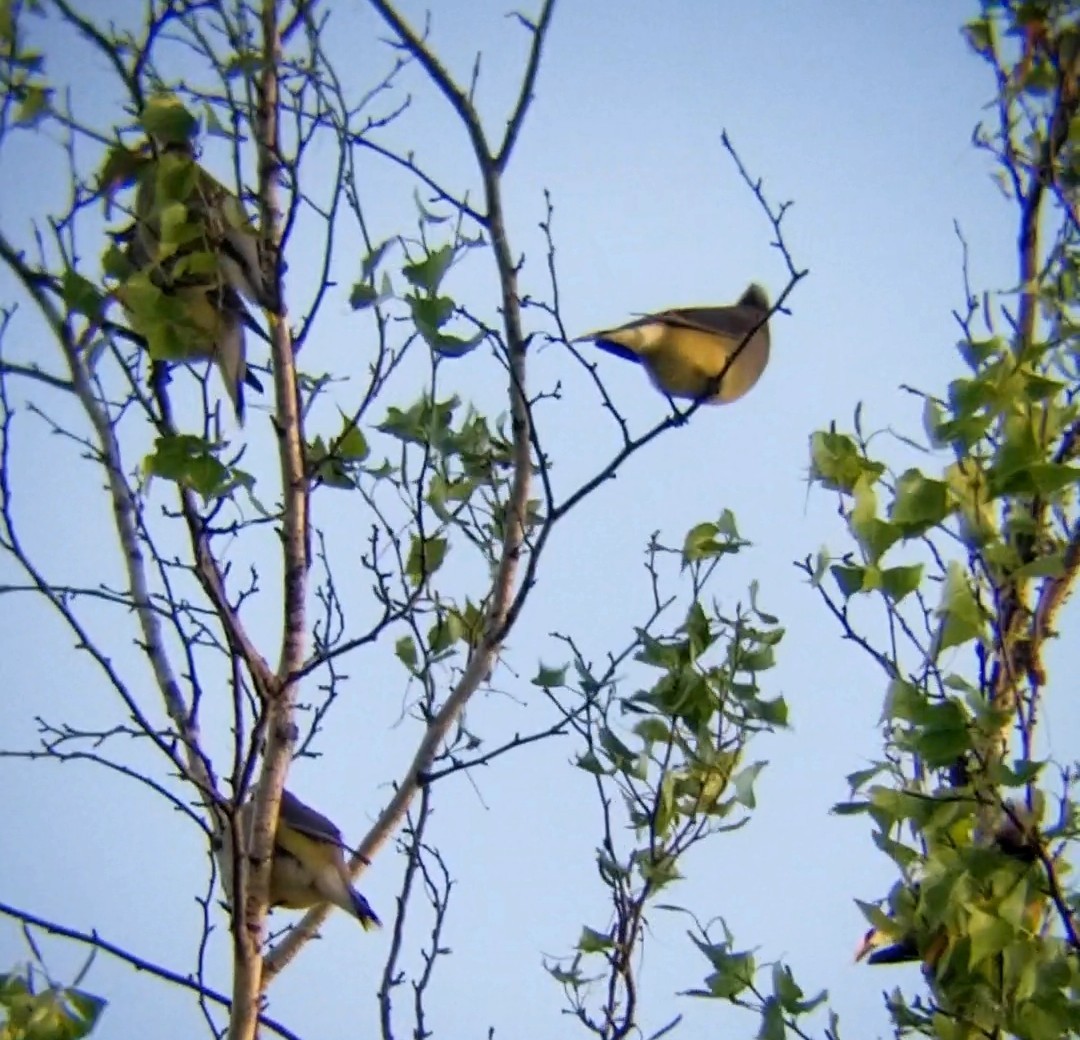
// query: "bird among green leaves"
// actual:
[[192, 254], [976, 919]]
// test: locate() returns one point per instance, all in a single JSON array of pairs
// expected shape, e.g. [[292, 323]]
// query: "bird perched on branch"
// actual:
[[1016, 837], [309, 862], [713, 353], [193, 251]]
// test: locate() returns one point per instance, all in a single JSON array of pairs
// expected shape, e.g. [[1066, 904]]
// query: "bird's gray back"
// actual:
[[307, 821]]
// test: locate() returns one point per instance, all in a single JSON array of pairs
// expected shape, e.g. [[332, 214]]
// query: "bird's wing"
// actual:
[[724, 321], [231, 234], [307, 821], [736, 320]]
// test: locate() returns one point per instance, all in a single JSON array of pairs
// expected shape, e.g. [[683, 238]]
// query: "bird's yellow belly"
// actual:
[[691, 361]]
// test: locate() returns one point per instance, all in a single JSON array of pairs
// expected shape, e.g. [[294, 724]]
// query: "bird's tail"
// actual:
[[361, 909], [230, 352], [336, 887]]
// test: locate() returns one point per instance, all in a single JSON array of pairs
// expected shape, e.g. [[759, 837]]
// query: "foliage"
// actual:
[[407, 510], [51, 1013], [969, 554]]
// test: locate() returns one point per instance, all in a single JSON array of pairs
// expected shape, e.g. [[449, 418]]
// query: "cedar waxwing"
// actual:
[[879, 947], [1017, 837], [181, 209], [194, 243], [309, 863], [685, 350], [186, 320]]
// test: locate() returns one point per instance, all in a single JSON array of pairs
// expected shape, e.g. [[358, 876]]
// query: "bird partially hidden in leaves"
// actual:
[[688, 351], [1016, 838], [184, 318], [193, 253], [309, 862]]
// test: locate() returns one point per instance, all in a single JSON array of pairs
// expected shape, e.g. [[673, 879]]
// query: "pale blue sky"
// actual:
[[860, 116]]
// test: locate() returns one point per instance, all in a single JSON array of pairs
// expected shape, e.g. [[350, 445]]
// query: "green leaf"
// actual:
[[81, 295], [405, 651], [919, 503], [591, 764], [550, 678], [976, 353], [244, 63], [352, 444], [849, 579], [874, 535], [326, 466], [1043, 1021], [969, 489], [362, 295], [772, 712], [683, 693], [698, 633], [733, 973], [423, 423], [665, 811], [772, 1021], [785, 988], [961, 617], [452, 346], [190, 461], [979, 36], [430, 313], [899, 582], [622, 758], [55, 1013], [861, 776], [371, 262], [214, 126], [837, 464], [84, 1009], [710, 540], [444, 633], [1050, 566], [904, 701], [932, 418], [165, 118], [989, 935], [1018, 449], [592, 941], [426, 556], [1047, 478], [34, 104], [940, 746], [428, 273], [653, 731], [658, 870], [963, 433], [115, 264], [743, 784]]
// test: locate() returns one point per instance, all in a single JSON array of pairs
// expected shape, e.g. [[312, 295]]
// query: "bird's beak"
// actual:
[[866, 945]]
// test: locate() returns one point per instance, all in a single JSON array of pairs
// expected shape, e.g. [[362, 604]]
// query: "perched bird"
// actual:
[[309, 863], [879, 946], [181, 318], [1017, 838], [687, 351], [182, 210], [194, 244]]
